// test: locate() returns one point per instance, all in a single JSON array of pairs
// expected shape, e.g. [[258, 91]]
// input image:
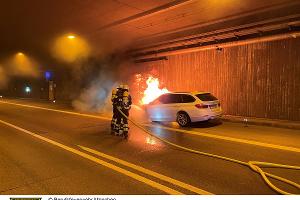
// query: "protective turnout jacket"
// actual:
[[126, 100]]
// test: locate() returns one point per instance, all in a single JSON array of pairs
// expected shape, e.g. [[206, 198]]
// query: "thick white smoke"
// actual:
[[96, 97]]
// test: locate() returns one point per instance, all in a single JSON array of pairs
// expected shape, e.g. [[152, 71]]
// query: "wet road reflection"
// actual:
[[138, 138]]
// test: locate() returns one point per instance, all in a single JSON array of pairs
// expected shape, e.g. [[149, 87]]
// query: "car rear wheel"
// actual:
[[183, 119]]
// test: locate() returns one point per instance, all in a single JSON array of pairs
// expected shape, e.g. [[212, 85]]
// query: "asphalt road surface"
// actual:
[[49, 152]]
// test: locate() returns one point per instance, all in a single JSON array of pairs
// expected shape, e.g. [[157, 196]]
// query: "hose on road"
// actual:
[[254, 165]]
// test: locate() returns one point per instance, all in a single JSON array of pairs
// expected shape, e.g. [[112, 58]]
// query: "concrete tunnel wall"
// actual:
[[256, 80]]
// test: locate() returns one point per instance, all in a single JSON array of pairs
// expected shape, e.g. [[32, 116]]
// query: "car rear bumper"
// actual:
[[205, 118], [206, 115]]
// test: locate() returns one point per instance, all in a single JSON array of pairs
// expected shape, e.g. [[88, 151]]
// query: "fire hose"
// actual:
[[256, 166]]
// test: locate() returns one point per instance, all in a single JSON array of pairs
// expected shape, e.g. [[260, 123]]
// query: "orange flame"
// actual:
[[153, 91]]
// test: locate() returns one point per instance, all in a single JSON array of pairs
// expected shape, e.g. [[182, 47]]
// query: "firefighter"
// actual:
[[115, 111], [119, 105], [126, 105]]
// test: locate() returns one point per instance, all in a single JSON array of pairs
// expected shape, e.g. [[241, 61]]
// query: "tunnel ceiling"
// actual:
[[32, 24]]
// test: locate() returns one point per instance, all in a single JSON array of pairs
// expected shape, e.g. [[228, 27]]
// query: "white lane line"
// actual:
[[147, 171], [56, 110], [99, 161]]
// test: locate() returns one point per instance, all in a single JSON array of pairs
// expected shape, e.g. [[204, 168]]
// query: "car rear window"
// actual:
[[206, 97]]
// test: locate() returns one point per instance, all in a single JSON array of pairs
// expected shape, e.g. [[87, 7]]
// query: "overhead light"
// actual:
[[71, 37], [70, 47]]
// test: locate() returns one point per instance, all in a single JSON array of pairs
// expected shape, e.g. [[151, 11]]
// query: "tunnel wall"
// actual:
[[256, 80]]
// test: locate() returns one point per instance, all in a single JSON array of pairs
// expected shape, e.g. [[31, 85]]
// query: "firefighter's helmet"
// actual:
[[126, 87], [121, 86]]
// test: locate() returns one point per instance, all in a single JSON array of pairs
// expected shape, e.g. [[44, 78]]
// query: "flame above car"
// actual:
[[152, 91]]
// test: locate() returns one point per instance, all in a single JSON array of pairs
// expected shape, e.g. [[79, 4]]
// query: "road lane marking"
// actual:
[[55, 110], [99, 161], [203, 134], [147, 171]]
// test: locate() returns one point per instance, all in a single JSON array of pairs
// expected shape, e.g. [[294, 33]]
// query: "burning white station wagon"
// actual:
[[184, 107]]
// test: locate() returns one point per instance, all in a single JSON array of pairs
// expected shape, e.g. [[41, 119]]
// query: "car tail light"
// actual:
[[201, 106]]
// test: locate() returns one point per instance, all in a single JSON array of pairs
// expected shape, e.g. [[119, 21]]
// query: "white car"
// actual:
[[184, 107]]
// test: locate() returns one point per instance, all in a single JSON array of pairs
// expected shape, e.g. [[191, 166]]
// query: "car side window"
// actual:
[[187, 98], [170, 98], [174, 98], [164, 99]]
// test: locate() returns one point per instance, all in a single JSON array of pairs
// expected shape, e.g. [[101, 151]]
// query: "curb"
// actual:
[[262, 121]]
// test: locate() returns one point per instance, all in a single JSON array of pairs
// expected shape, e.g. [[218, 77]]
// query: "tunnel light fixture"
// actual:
[[71, 37], [70, 47]]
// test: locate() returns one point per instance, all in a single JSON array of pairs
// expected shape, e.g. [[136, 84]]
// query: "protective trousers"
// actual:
[[114, 118], [119, 121], [124, 121]]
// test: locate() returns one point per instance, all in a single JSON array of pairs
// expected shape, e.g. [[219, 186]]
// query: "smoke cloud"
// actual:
[[98, 76], [96, 98]]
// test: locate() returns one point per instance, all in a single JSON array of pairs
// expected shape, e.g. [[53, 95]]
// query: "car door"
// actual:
[[187, 104], [172, 106], [165, 108], [156, 109]]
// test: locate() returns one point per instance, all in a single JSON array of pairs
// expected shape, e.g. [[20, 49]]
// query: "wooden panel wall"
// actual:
[[258, 80]]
